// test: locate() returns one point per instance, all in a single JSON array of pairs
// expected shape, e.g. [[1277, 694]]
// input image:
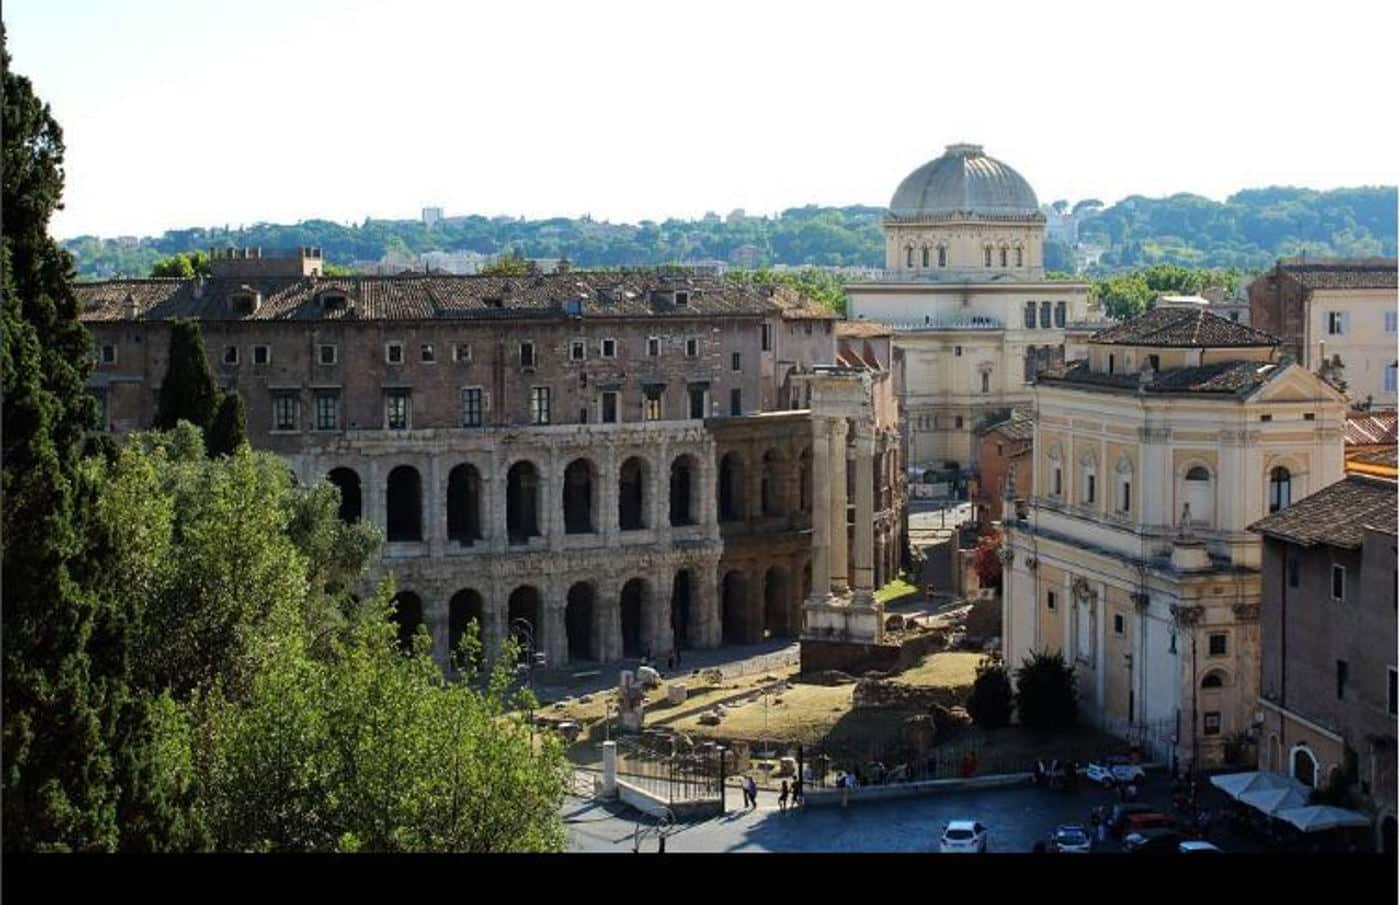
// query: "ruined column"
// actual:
[[658, 493], [660, 637], [864, 553], [839, 566], [373, 498], [706, 606], [608, 495], [435, 614], [821, 509], [610, 619], [493, 517], [437, 508]]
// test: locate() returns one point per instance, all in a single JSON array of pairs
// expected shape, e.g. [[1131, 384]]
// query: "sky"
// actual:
[[181, 113]]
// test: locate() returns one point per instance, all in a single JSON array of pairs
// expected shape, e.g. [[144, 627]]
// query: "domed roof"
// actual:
[[964, 181]]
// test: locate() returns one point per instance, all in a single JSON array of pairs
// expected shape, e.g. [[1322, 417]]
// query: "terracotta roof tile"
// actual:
[[863, 328], [1341, 273], [1226, 377], [1370, 428], [1336, 515], [1182, 327]]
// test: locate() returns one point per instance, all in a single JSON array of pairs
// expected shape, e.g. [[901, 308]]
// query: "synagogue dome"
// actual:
[[965, 182]]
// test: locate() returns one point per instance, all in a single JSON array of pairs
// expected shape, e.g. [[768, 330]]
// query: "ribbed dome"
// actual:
[[964, 181]]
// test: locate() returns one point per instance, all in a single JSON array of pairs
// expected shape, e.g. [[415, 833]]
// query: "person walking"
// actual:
[[797, 791], [783, 796], [753, 792]]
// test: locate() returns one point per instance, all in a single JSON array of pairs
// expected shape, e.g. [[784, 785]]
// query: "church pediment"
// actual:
[[1296, 384]]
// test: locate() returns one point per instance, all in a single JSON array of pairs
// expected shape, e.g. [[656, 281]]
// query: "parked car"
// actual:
[[1154, 842], [1070, 839], [1121, 812], [1112, 771], [963, 837], [1150, 820], [1193, 846]]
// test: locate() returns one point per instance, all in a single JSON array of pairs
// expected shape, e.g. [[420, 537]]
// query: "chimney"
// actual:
[[129, 307]]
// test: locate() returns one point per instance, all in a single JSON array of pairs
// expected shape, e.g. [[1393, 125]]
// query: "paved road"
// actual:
[[1016, 818]]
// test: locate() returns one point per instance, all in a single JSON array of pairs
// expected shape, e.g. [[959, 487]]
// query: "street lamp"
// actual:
[[525, 631]]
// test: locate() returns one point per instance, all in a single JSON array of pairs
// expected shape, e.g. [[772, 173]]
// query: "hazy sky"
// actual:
[[184, 112]]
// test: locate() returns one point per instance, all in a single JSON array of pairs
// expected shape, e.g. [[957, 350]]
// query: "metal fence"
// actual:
[[674, 777]]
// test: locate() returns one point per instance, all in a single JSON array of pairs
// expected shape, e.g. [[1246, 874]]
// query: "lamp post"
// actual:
[[525, 631]]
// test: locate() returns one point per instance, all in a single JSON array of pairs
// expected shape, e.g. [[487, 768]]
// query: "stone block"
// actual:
[[675, 694]]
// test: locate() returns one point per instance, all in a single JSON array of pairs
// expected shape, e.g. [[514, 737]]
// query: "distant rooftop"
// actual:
[[1341, 273], [1187, 327], [1225, 378], [1337, 515]]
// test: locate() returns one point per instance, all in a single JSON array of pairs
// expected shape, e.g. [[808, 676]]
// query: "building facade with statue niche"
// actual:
[[623, 461], [1151, 459], [964, 288]]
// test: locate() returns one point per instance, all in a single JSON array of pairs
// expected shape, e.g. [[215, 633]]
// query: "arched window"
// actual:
[[1280, 489], [909, 257], [1304, 766], [1213, 679], [348, 483], [1003, 256], [578, 497], [987, 256], [1123, 501], [404, 505], [1199, 492], [464, 504], [522, 502], [942, 256], [925, 256], [1018, 256], [631, 495]]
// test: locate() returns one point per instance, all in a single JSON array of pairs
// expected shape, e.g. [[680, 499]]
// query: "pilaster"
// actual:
[[839, 567]]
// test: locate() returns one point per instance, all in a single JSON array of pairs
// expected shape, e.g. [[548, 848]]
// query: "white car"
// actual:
[[1070, 839], [1111, 774], [963, 837], [1197, 846]]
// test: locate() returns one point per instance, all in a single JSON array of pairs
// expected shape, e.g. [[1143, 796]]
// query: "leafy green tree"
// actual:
[[992, 700], [188, 392], [1046, 698], [183, 266], [510, 264], [228, 431]]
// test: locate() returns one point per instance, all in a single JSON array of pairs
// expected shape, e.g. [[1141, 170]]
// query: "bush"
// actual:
[[992, 699], [1045, 692]]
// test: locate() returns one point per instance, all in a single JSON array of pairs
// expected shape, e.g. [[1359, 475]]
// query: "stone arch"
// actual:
[[407, 615], [682, 616], [347, 481], [776, 606], [403, 494], [1215, 679], [733, 608], [580, 487], [632, 479], [465, 607], [730, 488], [522, 502], [525, 605], [772, 480], [1197, 488], [685, 490], [579, 608], [464, 504], [1303, 765], [632, 602], [1280, 488]]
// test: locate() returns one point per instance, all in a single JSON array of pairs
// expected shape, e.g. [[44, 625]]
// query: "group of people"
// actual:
[[786, 793]]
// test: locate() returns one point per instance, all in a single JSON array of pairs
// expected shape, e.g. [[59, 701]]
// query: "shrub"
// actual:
[[1045, 692], [992, 699]]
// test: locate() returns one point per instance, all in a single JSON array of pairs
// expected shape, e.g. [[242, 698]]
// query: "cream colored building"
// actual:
[[1151, 459], [965, 290]]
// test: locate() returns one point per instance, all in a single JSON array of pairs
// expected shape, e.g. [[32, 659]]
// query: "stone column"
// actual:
[[372, 499], [864, 553], [706, 606], [661, 637], [757, 615], [609, 769], [493, 621], [709, 492], [436, 616], [608, 495], [437, 508], [836, 452], [610, 620], [493, 516], [821, 509], [552, 492], [658, 493]]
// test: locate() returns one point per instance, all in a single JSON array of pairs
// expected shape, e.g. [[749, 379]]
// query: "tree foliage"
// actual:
[[187, 392], [228, 430], [182, 266], [1046, 696], [992, 700], [985, 560], [510, 263], [1126, 295]]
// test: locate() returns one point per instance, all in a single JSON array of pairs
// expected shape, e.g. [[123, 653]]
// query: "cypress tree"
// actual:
[[188, 391], [228, 431]]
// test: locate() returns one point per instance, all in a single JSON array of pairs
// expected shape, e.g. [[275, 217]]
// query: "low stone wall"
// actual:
[[870, 693], [916, 647], [642, 800], [825, 798]]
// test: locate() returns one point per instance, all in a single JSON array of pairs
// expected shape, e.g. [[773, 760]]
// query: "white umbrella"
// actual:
[[1271, 801], [1237, 784], [1322, 817]]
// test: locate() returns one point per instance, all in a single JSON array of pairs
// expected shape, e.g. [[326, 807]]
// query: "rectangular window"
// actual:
[[577, 351], [697, 402], [609, 414], [284, 412], [1050, 600], [768, 337], [957, 351], [327, 353], [539, 405], [262, 355], [1044, 314], [583, 415], [734, 364], [1211, 725], [1336, 323], [393, 353], [461, 353], [1390, 702], [1089, 490], [957, 422], [398, 410], [527, 355], [327, 410], [1339, 582], [682, 299], [1341, 680], [1058, 488], [1030, 315], [651, 407], [425, 354], [1171, 642], [692, 347], [1117, 623], [230, 355], [1219, 643], [986, 382], [1309, 416], [609, 348], [736, 402], [1390, 378], [1266, 417], [653, 346], [1127, 496], [109, 354], [471, 407], [1390, 321], [1059, 314]]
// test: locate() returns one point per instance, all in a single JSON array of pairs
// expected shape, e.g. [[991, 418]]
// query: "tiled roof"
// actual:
[[1375, 457], [1182, 327], [863, 329], [1341, 273], [1370, 428], [431, 297], [1019, 426], [1336, 514], [1235, 378]]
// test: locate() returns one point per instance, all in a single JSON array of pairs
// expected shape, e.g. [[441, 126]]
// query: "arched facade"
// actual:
[[1304, 766], [464, 505], [404, 505], [348, 483], [408, 616], [522, 502], [580, 483], [465, 607]]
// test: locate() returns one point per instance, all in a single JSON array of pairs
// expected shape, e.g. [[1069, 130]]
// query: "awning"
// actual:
[[1317, 817], [1271, 801], [1237, 784]]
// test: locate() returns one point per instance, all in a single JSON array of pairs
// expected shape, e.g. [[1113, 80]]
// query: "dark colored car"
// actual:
[[1154, 842], [1121, 812]]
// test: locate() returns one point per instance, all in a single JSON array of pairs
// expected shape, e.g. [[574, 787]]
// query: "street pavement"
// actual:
[[1016, 818]]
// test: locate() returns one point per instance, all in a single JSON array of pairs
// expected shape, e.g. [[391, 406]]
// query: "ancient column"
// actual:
[[436, 503], [493, 622], [608, 495], [552, 500], [436, 616], [706, 606], [493, 516], [864, 553], [821, 509], [836, 452], [372, 499], [660, 637], [555, 641]]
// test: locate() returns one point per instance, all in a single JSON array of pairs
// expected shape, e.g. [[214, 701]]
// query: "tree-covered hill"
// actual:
[[1248, 231]]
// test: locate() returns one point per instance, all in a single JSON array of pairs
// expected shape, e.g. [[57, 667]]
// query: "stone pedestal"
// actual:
[[609, 769]]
